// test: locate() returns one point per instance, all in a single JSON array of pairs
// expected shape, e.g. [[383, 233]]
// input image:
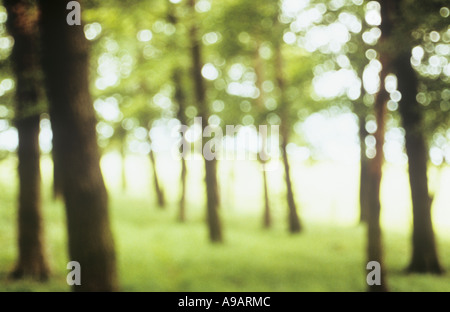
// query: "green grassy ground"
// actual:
[[155, 253]]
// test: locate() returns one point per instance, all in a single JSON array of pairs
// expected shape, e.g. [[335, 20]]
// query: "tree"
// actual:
[[424, 258], [22, 25], [212, 191], [134, 91], [267, 216], [180, 98], [424, 255], [293, 219], [158, 189], [375, 165], [285, 129], [65, 64], [252, 38], [234, 20], [359, 62]]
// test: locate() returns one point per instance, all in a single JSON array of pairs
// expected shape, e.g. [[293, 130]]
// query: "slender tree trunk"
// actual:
[[375, 165], [424, 256], [259, 70], [267, 219], [22, 22], [375, 168], [158, 189], [293, 219], [65, 64], [182, 203], [363, 186], [267, 216], [215, 229], [181, 98], [212, 203]]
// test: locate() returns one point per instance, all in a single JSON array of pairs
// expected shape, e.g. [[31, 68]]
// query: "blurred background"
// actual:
[[360, 92]]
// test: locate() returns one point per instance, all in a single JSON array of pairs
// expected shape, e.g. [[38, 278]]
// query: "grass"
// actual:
[[155, 253]]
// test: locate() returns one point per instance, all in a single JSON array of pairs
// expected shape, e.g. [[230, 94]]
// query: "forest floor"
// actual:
[[156, 253]]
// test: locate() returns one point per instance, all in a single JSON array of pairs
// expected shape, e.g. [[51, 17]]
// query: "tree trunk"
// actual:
[[267, 219], [158, 190], [215, 229], [375, 168], [65, 64], [22, 22], [259, 70], [181, 98], [363, 185], [182, 203], [424, 257], [375, 165], [293, 219], [267, 216], [212, 204], [32, 259]]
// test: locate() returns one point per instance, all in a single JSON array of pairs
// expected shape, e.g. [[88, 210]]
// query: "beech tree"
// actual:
[[212, 190], [22, 25], [65, 54], [424, 252]]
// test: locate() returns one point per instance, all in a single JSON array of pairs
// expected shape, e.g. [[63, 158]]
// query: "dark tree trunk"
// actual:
[[267, 219], [212, 203], [181, 98], [158, 190], [293, 219], [65, 64], [182, 203], [424, 257], [22, 22], [259, 70], [375, 168], [375, 165], [32, 260], [267, 216], [215, 229], [363, 185]]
